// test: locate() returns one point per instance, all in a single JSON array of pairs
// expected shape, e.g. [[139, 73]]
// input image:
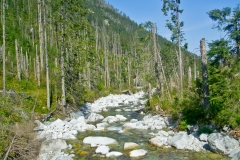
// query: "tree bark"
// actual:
[[40, 26], [195, 68], [17, 59], [189, 77], [46, 56], [3, 47], [180, 56], [62, 63], [205, 76]]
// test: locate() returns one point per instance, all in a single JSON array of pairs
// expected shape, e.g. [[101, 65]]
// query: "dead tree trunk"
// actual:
[[195, 68], [17, 59], [40, 26], [62, 64], [205, 76], [3, 48], [46, 56], [189, 77]]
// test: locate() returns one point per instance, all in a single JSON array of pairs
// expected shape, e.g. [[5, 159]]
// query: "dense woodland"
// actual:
[[59, 54]]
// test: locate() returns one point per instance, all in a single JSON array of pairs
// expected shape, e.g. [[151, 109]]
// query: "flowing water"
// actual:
[[141, 137]]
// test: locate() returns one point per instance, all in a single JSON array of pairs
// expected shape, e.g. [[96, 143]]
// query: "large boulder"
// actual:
[[94, 117], [51, 149], [184, 141], [221, 143], [236, 156], [159, 141]]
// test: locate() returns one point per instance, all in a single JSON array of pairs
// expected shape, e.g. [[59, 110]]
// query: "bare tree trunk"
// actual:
[[129, 73], [180, 56], [195, 68], [35, 68], [26, 65], [62, 65], [40, 26], [156, 58], [205, 76], [46, 56], [189, 77], [3, 47], [17, 59], [38, 70]]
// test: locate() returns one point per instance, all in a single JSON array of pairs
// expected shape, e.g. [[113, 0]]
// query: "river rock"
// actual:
[[121, 118], [94, 117], [234, 151], [114, 154], [138, 153], [111, 119], [130, 145], [221, 143], [184, 141], [159, 141], [51, 149], [236, 156], [102, 149], [99, 141], [204, 137]]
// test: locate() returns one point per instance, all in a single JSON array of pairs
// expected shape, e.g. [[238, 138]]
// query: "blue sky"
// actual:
[[197, 24]]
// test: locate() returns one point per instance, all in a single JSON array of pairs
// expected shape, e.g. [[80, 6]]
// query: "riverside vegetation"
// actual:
[[57, 55]]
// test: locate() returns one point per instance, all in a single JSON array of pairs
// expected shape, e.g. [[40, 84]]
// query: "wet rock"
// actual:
[[114, 154], [121, 118], [102, 149], [234, 151], [204, 137], [51, 149], [129, 125], [220, 143], [159, 141], [99, 140], [184, 141], [130, 145], [138, 153], [94, 117], [163, 133], [236, 156], [110, 119]]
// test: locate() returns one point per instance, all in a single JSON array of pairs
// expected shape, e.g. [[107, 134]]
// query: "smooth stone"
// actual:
[[221, 143], [203, 137], [138, 153], [236, 156], [99, 140], [130, 145], [94, 117], [114, 154], [51, 149], [184, 141], [121, 118], [163, 133], [102, 149], [159, 141], [115, 128], [234, 151], [110, 119]]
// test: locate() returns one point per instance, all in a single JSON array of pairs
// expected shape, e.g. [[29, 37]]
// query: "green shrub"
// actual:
[[183, 126]]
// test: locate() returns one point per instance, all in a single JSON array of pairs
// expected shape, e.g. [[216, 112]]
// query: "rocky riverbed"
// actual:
[[116, 126]]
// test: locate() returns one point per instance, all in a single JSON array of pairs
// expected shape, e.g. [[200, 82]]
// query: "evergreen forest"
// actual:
[[57, 55]]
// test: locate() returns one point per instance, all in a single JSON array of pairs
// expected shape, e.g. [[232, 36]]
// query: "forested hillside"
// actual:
[[57, 54]]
